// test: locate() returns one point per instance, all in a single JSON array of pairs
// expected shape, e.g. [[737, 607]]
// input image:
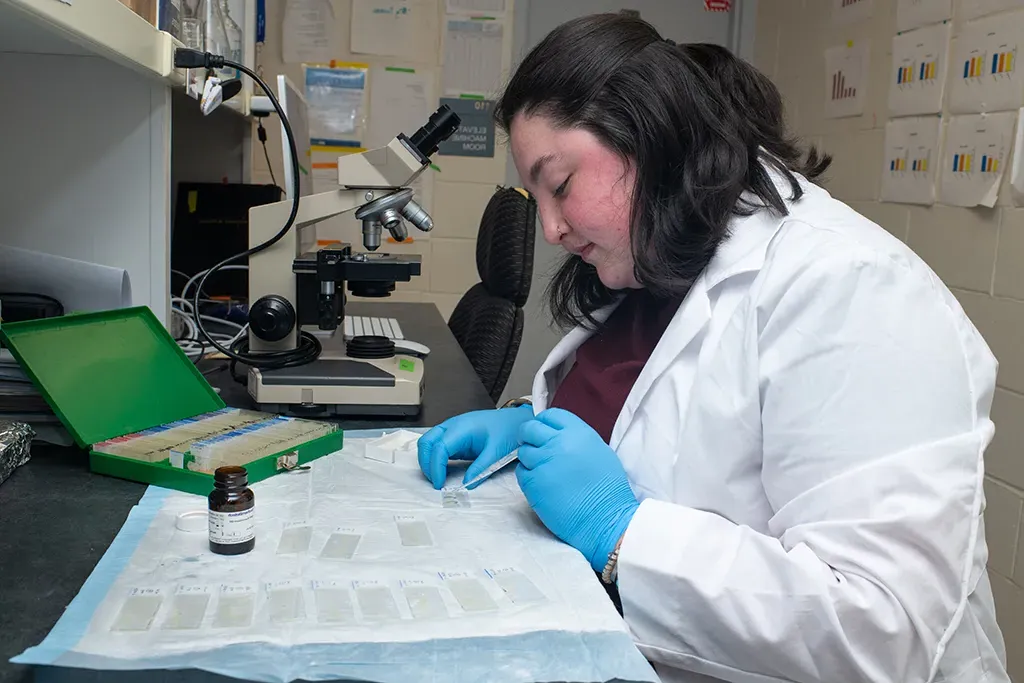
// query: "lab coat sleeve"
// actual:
[[874, 398]]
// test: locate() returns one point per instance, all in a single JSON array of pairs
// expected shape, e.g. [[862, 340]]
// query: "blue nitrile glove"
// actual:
[[484, 436], [575, 483]]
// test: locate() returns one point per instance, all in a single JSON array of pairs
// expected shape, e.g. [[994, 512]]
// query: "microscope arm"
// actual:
[[266, 220], [270, 271]]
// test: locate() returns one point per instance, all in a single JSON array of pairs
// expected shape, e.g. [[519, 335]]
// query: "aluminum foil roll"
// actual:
[[15, 441]]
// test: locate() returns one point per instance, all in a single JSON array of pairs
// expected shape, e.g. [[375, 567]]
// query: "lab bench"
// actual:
[[58, 518]]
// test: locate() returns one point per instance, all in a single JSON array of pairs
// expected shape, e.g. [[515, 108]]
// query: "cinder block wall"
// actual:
[[979, 253]]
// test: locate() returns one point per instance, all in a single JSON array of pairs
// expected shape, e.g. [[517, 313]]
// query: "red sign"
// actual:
[[717, 5]]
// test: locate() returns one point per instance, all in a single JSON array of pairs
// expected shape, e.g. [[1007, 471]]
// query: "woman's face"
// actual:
[[583, 191]]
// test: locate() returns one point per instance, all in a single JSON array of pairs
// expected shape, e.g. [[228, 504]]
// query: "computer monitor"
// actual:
[[293, 101]]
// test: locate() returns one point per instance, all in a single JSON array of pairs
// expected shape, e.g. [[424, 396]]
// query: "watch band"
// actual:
[[611, 570], [516, 402]]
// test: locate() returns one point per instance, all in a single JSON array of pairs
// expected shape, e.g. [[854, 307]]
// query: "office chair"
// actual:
[[488, 320]]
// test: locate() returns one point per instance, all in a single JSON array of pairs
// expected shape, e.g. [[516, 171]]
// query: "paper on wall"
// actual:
[[911, 160], [846, 72], [476, 6], [851, 11], [914, 13], [335, 97], [974, 158], [1017, 172], [400, 102], [307, 33], [919, 63], [473, 51], [972, 9], [986, 74], [401, 28]]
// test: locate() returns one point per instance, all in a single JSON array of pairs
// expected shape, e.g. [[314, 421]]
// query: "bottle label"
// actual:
[[228, 528]]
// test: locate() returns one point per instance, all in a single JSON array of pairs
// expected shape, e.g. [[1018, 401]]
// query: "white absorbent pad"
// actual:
[[361, 571]]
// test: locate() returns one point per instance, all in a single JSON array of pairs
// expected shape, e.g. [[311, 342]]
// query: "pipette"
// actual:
[[511, 457]]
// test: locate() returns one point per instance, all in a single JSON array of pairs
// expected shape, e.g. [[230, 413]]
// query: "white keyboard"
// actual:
[[361, 325]]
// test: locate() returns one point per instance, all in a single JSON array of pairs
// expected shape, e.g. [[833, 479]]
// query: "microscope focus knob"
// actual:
[[271, 318]]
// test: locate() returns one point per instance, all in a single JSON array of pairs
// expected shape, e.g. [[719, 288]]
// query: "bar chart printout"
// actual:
[[840, 88], [846, 68], [911, 146], [919, 66], [985, 65], [902, 164], [973, 165]]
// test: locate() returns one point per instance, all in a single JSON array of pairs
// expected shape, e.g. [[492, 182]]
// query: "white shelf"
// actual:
[[104, 28]]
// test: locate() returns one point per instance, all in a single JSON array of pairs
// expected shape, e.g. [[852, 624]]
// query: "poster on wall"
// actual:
[[398, 28], [335, 97], [475, 6], [912, 14], [852, 11], [972, 9], [974, 158], [401, 100], [986, 75], [473, 55], [846, 72], [305, 34], [911, 160], [918, 76]]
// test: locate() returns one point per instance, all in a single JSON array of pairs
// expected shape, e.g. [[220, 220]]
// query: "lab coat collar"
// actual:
[[744, 250]]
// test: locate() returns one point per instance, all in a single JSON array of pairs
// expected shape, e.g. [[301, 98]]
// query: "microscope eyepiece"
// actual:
[[442, 124]]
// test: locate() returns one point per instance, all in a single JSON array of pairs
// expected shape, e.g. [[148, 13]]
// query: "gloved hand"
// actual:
[[484, 436], [575, 483]]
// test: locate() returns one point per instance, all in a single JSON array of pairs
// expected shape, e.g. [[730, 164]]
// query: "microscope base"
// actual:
[[342, 387]]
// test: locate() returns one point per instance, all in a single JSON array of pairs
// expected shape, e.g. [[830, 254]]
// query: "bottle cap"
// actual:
[[231, 476]]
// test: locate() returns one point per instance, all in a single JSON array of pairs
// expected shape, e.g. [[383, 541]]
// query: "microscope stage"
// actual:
[[341, 386]]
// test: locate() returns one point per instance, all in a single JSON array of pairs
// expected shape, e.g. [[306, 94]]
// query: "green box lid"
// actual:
[[109, 373]]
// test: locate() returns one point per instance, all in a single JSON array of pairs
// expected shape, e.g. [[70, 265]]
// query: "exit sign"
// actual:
[[717, 5]]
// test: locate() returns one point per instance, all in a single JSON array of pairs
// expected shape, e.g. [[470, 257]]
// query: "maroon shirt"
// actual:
[[608, 363]]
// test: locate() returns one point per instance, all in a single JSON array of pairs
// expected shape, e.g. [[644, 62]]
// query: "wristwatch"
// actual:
[[611, 570], [516, 402]]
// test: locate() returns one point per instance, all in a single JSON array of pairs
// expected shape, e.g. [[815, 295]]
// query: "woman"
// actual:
[[766, 426]]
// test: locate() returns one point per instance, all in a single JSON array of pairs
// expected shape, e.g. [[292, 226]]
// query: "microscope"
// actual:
[[297, 289]]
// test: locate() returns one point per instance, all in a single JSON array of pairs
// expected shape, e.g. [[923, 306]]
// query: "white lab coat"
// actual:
[[806, 442]]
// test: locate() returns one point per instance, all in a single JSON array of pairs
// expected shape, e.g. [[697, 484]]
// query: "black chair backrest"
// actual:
[[504, 246], [488, 320], [489, 330]]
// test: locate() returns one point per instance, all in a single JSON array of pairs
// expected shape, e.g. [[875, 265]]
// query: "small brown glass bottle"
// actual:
[[232, 512]]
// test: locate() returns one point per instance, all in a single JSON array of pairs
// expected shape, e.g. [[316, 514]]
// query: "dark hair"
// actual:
[[699, 125]]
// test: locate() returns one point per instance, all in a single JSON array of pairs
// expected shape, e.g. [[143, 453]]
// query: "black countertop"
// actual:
[[57, 519]]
